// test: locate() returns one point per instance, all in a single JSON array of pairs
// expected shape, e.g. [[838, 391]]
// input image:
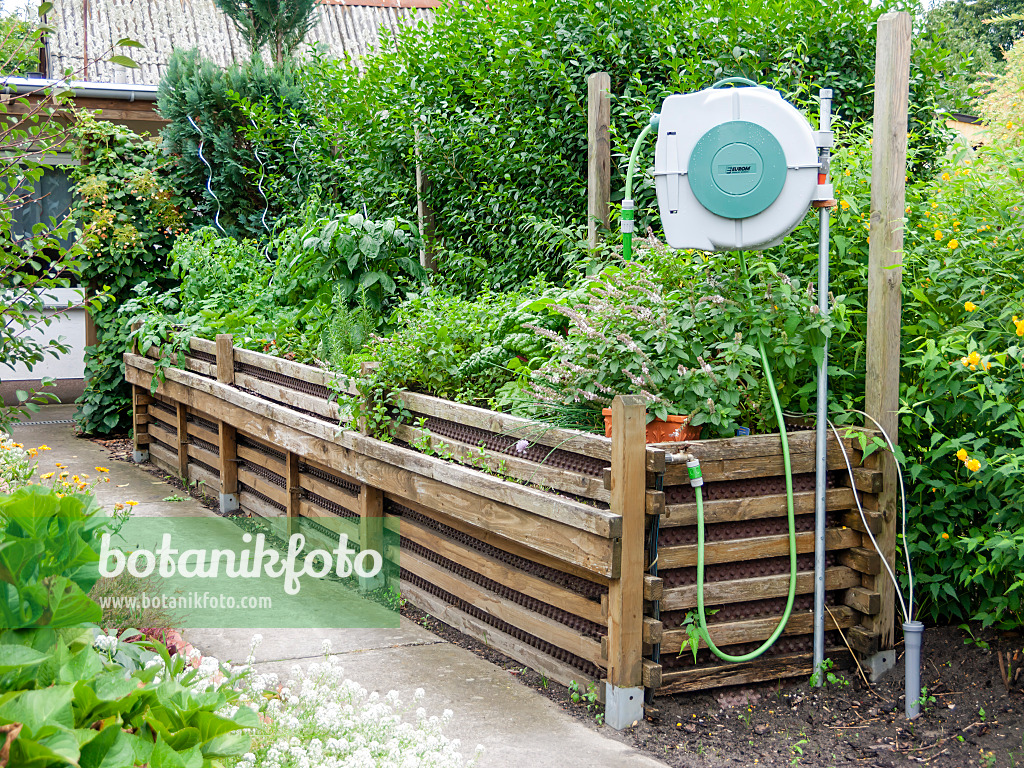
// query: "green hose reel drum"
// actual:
[[735, 168]]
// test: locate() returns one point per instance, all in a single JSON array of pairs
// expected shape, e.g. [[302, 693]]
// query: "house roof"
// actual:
[[347, 28]]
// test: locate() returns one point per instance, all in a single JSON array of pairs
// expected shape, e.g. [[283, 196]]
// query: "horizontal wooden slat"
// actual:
[[759, 670], [503, 573], [201, 454], [863, 600], [756, 630], [338, 495], [192, 364], [750, 446], [864, 480], [494, 638], [203, 345], [265, 487], [347, 525], [208, 484], [757, 588], [260, 459], [653, 631], [862, 640], [654, 588], [754, 507], [164, 435], [292, 397], [753, 548], [853, 519], [196, 430], [342, 477], [861, 559], [651, 674], [251, 504], [530, 472], [744, 468], [307, 373], [164, 459], [539, 626], [506, 544]]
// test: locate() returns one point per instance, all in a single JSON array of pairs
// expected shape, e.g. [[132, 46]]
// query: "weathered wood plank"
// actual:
[[163, 459], [224, 349], [539, 626], [599, 155], [510, 466], [753, 548], [503, 573], [862, 560], [267, 488], [292, 397], [510, 545], [325, 490], [307, 373], [494, 638], [753, 507], [182, 427], [756, 630], [758, 588], [716, 470], [654, 588], [863, 600], [252, 505], [252, 456], [651, 674], [760, 670], [626, 594]]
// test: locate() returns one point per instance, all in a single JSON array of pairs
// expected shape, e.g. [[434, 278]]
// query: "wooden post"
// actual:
[[424, 213], [371, 528], [294, 490], [140, 424], [624, 695], [225, 358], [182, 424], [228, 468], [599, 154], [885, 275]]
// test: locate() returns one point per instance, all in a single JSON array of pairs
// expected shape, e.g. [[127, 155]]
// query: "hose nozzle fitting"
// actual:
[[693, 468]]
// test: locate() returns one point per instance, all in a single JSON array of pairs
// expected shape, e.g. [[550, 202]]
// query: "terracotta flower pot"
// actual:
[[673, 430]]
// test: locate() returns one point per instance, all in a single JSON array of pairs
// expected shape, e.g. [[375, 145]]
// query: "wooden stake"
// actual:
[[371, 526], [293, 489], [599, 154], [626, 594], [182, 424], [140, 422], [424, 213], [225, 358], [228, 440], [885, 275]]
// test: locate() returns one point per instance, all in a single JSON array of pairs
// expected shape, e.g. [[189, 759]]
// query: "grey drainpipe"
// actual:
[[125, 91]]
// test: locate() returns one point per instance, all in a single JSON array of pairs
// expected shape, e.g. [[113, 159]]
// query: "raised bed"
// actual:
[[542, 551]]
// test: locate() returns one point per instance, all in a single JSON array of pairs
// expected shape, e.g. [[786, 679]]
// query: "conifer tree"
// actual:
[[279, 24]]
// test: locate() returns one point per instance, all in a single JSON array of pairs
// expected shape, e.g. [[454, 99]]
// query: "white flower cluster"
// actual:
[[15, 467], [105, 644], [320, 719]]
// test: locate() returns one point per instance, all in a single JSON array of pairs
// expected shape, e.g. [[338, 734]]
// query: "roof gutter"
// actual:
[[124, 91]]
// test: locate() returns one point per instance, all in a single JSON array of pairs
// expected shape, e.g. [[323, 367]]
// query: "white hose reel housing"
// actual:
[[734, 168]]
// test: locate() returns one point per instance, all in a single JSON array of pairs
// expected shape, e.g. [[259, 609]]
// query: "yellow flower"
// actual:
[[102, 469], [43, 448], [47, 476], [970, 306], [962, 454], [974, 465], [938, 234], [974, 358], [986, 365], [945, 535], [845, 205], [132, 503], [31, 452], [945, 177], [954, 243]]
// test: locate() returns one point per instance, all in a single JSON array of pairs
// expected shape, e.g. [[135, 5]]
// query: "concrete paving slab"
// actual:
[[517, 726]]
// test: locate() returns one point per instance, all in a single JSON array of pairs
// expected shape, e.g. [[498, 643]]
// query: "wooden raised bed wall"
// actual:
[[540, 548]]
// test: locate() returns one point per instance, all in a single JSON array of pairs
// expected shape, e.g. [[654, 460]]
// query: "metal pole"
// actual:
[[821, 436]]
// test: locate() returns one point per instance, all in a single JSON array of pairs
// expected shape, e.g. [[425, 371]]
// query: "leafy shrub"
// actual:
[[1001, 105], [129, 222], [64, 701], [683, 330], [219, 101], [16, 467], [496, 95]]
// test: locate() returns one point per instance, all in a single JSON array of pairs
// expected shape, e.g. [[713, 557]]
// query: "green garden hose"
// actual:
[[626, 217], [696, 482]]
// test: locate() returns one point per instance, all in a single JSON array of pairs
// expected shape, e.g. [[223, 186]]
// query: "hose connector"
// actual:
[[693, 468], [626, 217]]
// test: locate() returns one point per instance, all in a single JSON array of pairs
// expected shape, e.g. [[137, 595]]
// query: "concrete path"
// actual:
[[517, 726]]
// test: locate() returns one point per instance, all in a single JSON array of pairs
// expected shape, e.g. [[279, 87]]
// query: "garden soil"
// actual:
[[969, 716]]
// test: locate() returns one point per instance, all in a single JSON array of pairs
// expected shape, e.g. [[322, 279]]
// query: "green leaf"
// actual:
[[123, 61], [127, 42]]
